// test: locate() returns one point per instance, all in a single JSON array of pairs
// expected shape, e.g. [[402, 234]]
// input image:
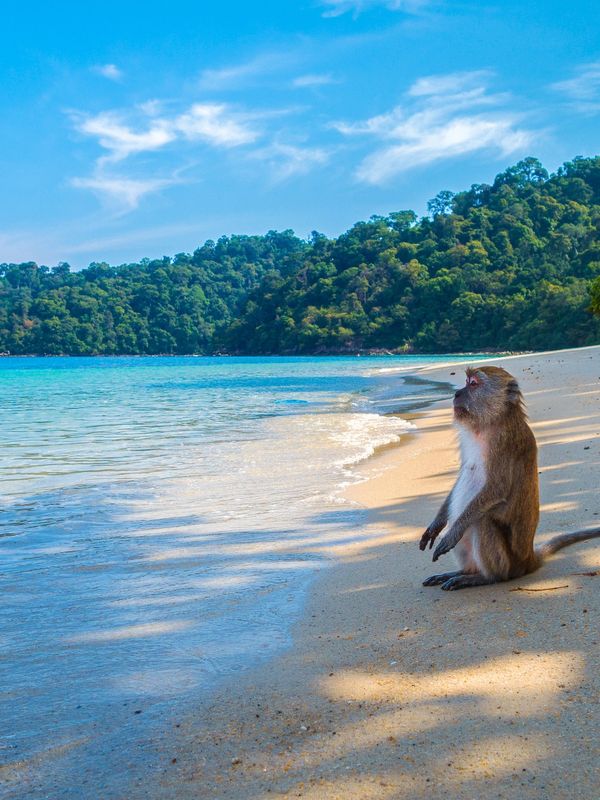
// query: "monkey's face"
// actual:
[[464, 400], [486, 395]]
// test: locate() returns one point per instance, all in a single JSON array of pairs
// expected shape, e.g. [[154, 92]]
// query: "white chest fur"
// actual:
[[472, 476]]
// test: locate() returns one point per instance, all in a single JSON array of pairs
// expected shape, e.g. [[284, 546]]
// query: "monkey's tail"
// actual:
[[566, 539]]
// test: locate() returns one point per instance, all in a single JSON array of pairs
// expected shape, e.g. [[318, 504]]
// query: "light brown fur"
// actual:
[[493, 533]]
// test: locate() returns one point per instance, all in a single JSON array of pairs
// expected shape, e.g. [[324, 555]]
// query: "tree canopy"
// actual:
[[510, 265]]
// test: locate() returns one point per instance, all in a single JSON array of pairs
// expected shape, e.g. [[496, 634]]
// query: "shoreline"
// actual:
[[333, 354], [391, 690]]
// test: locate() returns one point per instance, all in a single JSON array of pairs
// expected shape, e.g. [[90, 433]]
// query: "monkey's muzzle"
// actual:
[[460, 403]]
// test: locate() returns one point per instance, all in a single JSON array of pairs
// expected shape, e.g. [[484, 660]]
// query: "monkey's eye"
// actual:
[[472, 381]]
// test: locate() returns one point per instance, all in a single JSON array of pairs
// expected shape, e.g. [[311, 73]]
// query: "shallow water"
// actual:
[[161, 521]]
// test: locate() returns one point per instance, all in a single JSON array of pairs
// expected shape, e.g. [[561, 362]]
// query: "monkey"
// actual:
[[491, 515]]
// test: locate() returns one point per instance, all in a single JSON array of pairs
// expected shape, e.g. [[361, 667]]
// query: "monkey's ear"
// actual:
[[513, 393]]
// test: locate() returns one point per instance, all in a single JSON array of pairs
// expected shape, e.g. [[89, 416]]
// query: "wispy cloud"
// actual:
[[227, 76], [288, 160], [441, 118], [216, 124], [238, 75], [110, 71], [123, 193], [151, 108], [335, 8], [455, 138], [308, 81], [451, 83], [121, 139], [583, 90]]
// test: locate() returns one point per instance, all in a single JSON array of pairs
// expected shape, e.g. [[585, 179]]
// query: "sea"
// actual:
[[161, 521]]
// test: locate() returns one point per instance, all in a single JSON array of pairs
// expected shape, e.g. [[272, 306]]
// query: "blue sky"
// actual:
[[130, 130]]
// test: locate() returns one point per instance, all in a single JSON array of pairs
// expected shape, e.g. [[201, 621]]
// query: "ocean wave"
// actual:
[[361, 435]]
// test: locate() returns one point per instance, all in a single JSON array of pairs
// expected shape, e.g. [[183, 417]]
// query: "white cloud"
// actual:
[[224, 78], [151, 108], [441, 119], [215, 124], [453, 82], [335, 8], [110, 71], [287, 160], [240, 74], [122, 192], [304, 81], [458, 137], [584, 89], [121, 140]]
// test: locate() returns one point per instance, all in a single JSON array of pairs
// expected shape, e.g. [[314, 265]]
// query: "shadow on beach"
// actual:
[[115, 620]]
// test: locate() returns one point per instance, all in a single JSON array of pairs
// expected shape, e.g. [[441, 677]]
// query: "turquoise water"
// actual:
[[161, 521]]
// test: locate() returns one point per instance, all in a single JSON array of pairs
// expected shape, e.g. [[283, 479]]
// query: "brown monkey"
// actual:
[[492, 512]]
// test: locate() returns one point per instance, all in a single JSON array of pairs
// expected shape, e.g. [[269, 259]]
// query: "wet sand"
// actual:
[[391, 690]]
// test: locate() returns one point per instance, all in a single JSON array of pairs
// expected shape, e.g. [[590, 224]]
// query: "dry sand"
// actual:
[[391, 690]]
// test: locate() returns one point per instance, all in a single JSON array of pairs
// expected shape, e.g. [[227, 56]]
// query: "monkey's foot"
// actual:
[[461, 581], [435, 580]]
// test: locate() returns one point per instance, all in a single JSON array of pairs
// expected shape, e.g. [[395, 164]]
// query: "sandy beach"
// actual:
[[391, 690]]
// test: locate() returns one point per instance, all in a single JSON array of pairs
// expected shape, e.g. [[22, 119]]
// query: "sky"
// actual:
[[132, 130]]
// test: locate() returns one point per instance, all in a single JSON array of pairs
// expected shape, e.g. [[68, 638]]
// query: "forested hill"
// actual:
[[512, 265]]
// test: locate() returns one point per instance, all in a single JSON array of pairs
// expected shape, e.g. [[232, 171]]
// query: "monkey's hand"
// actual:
[[431, 534], [447, 543]]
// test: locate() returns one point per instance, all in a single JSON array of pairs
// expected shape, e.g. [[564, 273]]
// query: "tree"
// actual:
[[441, 203], [595, 296]]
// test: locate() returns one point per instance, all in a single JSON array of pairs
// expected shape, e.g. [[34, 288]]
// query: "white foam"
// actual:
[[362, 434]]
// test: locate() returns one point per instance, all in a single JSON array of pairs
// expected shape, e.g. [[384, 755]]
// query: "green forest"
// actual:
[[512, 265]]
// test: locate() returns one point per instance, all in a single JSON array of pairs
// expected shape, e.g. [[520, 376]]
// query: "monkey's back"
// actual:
[[513, 452]]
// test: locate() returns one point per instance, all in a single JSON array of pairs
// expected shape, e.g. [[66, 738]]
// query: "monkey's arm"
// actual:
[[436, 526], [482, 504]]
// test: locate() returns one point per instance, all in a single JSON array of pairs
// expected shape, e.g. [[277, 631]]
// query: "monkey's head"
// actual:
[[489, 393]]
